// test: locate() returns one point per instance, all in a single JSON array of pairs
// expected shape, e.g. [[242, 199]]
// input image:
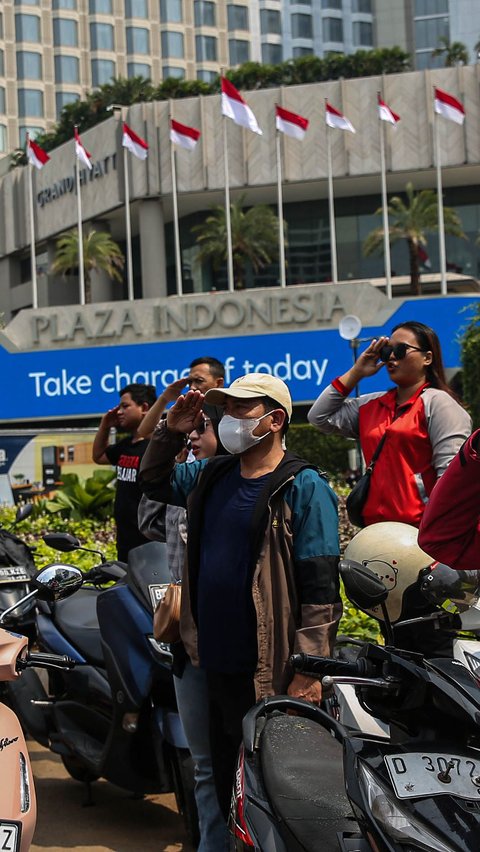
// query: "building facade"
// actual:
[[53, 52]]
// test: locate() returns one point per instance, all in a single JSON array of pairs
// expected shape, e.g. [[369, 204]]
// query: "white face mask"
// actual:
[[237, 435]]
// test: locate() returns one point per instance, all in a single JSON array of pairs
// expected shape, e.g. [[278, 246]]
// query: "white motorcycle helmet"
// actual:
[[390, 550]]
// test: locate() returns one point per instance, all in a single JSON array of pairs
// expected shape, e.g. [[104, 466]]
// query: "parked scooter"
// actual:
[[17, 568], [115, 715], [17, 791], [417, 790]]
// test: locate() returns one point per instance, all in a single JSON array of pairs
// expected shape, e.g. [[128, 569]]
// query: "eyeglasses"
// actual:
[[399, 351], [202, 426]]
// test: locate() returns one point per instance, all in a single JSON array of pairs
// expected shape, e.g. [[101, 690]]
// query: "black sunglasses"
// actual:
[[201, 428], [398, 351]]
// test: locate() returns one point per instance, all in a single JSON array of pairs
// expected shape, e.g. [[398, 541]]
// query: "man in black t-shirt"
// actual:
[[126, 455]]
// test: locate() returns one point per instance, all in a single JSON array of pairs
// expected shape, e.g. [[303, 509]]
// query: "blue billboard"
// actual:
[[69, 383]]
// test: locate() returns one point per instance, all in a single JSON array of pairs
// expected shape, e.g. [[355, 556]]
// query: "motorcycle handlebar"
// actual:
[[320, 666], [46, 660]]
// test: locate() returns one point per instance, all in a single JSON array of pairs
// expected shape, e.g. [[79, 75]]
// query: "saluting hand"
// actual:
[[186, 414]]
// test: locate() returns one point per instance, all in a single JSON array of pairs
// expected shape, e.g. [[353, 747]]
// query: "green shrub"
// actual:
[[83, 498], [327, 452], [470, 344]]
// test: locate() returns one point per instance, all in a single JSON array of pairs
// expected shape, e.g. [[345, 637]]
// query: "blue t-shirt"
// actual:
[[227, 625]]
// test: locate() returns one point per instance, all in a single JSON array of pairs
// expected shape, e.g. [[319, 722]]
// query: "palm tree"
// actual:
[[455, 52], [254, 238], [411, 221], [100, 252]]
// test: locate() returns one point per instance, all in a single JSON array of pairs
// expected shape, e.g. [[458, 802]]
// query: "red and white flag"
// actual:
[[424, 258], [334, 118], [290, 123], [81, 152], [449, 107], [387, 114], [234, 107], [137, 146], [36, 156], [181, 134]]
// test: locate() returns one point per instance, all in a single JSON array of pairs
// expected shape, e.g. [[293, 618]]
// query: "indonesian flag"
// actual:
[[290, 123], [424, 258], [449, 107], [36, 156], [137, 146], [181, 134], [334, 118], [387, 114], [234, 107], [81, 152]]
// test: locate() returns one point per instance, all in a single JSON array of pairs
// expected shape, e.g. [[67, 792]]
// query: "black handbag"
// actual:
[[358, 495]]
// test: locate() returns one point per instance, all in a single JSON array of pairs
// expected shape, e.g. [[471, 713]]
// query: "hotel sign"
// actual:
[[100, 168]]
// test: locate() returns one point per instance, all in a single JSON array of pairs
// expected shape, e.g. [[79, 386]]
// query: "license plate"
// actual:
[[157, 593], [13, 572], [9, 837], [416, 774]]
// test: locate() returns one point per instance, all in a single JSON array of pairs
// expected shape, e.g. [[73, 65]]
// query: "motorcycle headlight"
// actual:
[[398, 824]]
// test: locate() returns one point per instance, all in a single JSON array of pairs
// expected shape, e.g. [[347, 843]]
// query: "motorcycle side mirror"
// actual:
[[362, 586], [23, 512], [56, 581], [65, 542]]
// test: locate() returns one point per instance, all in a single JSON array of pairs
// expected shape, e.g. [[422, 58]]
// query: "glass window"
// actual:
[[1, 25], [172, 45], [3, 138], [2, 65], [103, 71], [30, 102], [138, 40], [29, 65], [364, 6], [27, 2], [431, 7], [32, 131], [239, 51], [426, 60], [171, 11], [64, 98], [65, 4], [270, 21], [302, 51], [100, 7], [362, 34], [101, 36], [2, 100], [172, 71], [272, 53], [204, 13], [302, 26], [205, 48], [139, 69], [332, 29], [65, 32], [27, 28], [206, 76], [331, 4], [429, 31], [67, 69], [136, 9], [237, 17]]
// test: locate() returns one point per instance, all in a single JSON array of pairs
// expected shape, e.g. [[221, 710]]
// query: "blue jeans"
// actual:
[[192, 701]]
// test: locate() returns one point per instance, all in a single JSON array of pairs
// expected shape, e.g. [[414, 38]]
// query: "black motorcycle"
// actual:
[[305, 782], [17, 567]]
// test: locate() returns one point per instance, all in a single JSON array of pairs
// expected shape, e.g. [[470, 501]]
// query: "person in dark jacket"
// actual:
[[262, 577]]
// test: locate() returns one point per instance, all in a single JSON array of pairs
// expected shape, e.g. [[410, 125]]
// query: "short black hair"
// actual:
[[140, 393], [216, 367]]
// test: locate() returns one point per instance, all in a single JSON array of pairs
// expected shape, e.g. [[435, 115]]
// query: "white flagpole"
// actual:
[[386, 230], [331, 209], [33, 259], [228, 220], [81, 270], [281, 227], [441, 223], [176, 229], [128, 227]]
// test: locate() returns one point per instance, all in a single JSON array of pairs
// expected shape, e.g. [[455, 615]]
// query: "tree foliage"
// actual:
[[94, 108], [254, 238], [411, 219], [470, 354], [455, 52], [89, 498], [100, 253]]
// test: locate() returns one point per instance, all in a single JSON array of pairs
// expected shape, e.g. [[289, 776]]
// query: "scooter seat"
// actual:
[[76, 618], [303, 775]]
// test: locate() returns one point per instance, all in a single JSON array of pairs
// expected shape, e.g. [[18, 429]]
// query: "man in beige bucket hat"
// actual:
[[261, 581]]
